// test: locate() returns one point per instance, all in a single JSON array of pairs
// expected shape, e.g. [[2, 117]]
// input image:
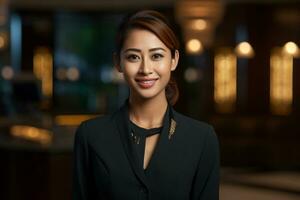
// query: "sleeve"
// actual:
[[81, 185], [206, 180]]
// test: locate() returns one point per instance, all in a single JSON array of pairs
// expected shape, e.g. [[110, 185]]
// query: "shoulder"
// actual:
[[91, 127], [100, 121], [195, 128], [192, 123]]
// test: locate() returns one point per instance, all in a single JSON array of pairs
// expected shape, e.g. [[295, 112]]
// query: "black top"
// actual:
[[184, 164], [139, 136]]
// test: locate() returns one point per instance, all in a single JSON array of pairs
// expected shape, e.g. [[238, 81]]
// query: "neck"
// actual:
[[147, 113]]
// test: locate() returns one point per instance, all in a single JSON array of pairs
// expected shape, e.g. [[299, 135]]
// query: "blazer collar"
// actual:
[[122, 123]]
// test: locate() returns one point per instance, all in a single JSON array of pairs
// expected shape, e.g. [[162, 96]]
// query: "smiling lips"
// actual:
[[146, 83]]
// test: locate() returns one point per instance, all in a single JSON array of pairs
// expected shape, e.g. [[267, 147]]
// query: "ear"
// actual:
[[116, 62], [175, 60]]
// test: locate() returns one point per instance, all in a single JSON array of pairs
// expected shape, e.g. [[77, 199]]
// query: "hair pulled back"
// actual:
[[156, 23]]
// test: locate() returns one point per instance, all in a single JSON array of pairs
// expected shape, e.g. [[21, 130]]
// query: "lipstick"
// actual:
[[146, 83]]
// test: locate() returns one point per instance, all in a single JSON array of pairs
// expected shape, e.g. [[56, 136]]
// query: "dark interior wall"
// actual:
[[35, 175], [252, 135]]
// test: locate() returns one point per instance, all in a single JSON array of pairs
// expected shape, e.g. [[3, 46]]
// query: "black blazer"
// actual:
[[184, 165]]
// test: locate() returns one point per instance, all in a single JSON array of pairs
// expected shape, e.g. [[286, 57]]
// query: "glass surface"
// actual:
[[84, 77]]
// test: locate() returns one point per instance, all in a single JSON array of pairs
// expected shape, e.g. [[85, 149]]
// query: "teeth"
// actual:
[[147, 81]]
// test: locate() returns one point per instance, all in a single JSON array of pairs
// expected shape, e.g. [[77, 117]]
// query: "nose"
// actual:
[[146, 66]]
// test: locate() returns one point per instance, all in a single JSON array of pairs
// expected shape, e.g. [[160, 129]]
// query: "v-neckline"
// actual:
[[122, 123], [143, 135], [163, 135], [151, 152]]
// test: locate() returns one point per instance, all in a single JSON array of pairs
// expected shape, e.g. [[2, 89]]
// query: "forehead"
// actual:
[[142, 39]]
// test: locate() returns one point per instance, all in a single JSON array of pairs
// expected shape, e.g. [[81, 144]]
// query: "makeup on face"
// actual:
[[146, 63]]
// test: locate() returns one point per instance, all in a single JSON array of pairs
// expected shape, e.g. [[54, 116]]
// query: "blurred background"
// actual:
[[238, 70]]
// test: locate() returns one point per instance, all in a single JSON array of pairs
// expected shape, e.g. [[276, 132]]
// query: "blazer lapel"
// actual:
[[165, 138], [162, 147], [122, 124]]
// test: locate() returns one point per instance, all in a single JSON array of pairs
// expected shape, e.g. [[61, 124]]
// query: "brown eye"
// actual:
[[133, 58], [157, 56]]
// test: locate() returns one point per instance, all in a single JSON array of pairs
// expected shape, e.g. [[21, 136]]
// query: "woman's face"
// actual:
[[146, 63]]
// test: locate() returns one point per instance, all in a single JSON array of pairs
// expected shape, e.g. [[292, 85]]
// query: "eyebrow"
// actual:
[[138, 50]]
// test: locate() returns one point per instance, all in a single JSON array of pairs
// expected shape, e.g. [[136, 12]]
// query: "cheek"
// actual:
[[164, 68], [129, 70]]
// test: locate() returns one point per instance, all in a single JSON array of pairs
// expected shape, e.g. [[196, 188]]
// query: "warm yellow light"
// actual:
[[7, 72], [199, 24], [73, 74], [2, 41], [244, 49], [194, 46], [31, 133], [72, 120], [225, 81], [291, 48], [281, 83], [43, 69]]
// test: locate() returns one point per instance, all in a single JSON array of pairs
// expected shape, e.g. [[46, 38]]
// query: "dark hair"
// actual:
[[156, 23]]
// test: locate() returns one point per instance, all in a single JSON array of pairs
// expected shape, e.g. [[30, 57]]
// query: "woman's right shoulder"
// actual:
[[96, 121], [95, 125]]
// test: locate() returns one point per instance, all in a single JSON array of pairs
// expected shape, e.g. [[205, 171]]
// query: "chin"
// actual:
[[147, 95]]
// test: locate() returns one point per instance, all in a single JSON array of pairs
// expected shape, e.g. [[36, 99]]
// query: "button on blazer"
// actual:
[[184, 165]]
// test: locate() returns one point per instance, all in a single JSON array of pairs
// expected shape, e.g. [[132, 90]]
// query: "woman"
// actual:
[[146, 150]]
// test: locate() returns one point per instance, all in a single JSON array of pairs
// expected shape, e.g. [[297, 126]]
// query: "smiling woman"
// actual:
[[163, 32], [146, 150], [146, 63]]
